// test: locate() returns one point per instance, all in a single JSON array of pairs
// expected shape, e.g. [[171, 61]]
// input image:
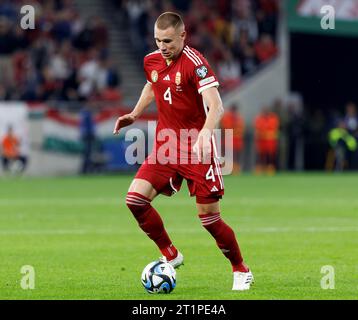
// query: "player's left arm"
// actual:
[[212, 100]]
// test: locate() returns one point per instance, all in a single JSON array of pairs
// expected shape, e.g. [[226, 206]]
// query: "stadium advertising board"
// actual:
[[311, 16]]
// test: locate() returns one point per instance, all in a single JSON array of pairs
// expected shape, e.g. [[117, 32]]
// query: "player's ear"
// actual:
[[183, 35]]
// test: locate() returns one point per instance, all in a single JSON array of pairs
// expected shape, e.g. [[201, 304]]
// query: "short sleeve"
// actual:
[[147, 75], [203, 75]]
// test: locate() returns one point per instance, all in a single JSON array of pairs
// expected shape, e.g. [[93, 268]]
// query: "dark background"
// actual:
[[324, 69]]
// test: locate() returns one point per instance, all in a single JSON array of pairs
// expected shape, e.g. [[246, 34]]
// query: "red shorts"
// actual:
[[271, 147], [266, 146], [204, 181]]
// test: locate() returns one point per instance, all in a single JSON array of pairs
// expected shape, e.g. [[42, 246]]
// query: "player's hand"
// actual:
[[202, 146], [123, 121]]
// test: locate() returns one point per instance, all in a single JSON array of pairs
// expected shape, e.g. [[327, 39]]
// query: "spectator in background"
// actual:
[[19, 58], [351, 118], [243, 18], [62, 25], [279, 108], [8, 44], [295, 131], [351, 124], [342, 143], [88, 136], [60, 63], [267, 16], [265, 48], [100, 33], [88, 74], [232, 119], [11, 152], [272, 136], [259, 127], [137, 16], [266, 125], [111, 92], [49, 87], [83, 40], [244, 51], [229, 71]]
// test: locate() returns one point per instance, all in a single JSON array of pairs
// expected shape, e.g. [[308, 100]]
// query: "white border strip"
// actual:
[[210, 85]]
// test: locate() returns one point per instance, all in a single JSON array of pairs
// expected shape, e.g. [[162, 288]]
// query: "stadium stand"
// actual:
[[65, 58]]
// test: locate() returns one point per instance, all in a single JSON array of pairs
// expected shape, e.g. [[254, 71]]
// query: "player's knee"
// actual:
[[210, 221], [137, 203], [207, 205], [207, 219]]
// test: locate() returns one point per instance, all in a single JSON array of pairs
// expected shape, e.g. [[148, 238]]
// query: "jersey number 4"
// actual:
[[210, 175], [168, 95]]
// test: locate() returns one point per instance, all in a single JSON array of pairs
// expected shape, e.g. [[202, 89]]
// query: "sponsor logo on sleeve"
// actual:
[[206, 81], [201, 72]]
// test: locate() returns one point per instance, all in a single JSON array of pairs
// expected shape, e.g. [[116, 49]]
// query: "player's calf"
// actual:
[[151, 223], [225, 239]]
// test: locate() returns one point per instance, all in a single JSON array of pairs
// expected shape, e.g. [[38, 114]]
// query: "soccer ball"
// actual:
[[159, 277]]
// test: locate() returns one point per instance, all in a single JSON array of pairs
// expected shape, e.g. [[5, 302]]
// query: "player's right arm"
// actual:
[[144, 101]]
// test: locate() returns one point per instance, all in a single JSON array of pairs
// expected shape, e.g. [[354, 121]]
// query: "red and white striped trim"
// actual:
[[136, 200], [192, 56], [217, 164], [209, 219], [170, 250], [207, 86]]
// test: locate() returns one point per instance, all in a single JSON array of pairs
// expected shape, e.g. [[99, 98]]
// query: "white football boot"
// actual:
[[242, 280], [177, 261]]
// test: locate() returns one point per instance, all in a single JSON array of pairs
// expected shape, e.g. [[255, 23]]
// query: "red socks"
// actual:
[[151, 223], [225, 239]]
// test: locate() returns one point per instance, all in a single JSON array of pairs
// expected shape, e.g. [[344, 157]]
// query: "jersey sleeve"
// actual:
[[202, 74], [146, 72]]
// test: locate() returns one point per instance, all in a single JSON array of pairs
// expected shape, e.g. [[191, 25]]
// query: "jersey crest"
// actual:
[[178, 78], [154, 75]]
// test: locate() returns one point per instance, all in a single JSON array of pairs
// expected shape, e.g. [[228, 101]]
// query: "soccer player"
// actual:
[[232, 119], [185, 90]]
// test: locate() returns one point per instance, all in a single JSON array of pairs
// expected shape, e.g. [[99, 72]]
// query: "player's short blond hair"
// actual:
[[169, 19]]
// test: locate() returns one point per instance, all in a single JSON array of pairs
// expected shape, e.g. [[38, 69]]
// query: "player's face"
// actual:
[[169, 41]]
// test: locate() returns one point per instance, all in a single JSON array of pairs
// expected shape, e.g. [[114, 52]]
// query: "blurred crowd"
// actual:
[[65, 57], [236, 36]]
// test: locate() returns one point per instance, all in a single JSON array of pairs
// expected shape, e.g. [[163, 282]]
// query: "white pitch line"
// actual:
[[182, 231], [68, 202]]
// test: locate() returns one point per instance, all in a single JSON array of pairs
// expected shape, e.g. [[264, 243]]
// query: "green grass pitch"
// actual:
[[84, 243]]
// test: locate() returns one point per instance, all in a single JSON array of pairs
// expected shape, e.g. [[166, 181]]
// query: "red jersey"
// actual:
[[177, 87]]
